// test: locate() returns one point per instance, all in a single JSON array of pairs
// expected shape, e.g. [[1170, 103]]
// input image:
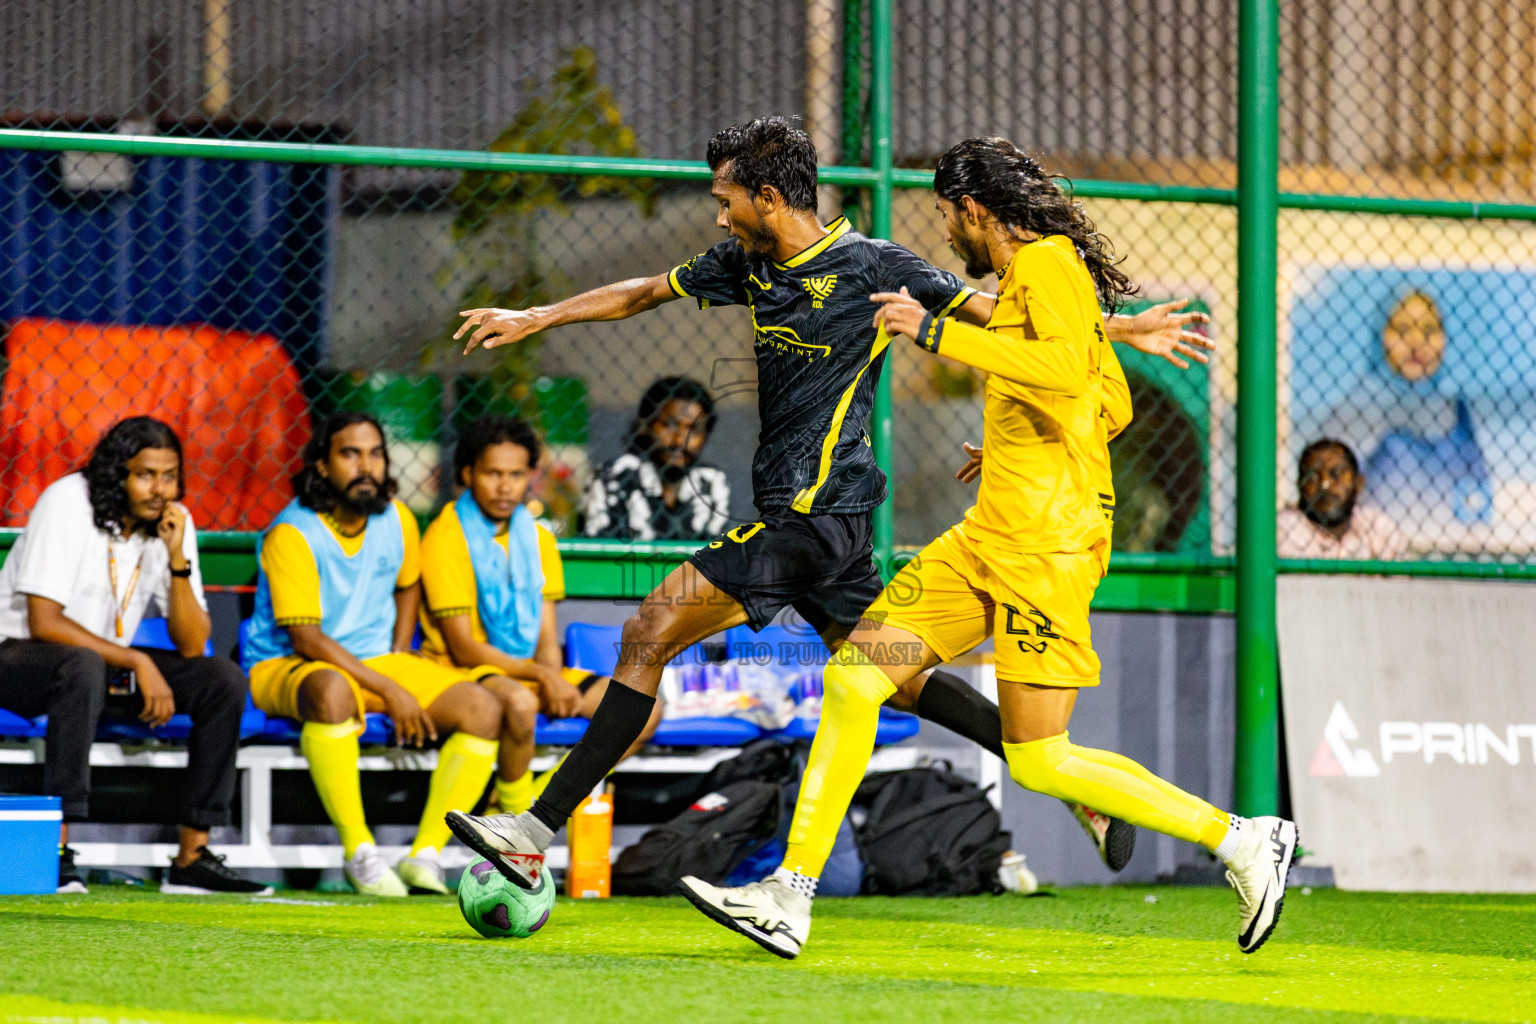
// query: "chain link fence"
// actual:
[[1410, 340], [242, 300]]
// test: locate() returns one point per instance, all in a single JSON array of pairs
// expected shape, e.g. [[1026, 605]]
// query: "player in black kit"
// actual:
[[814, 476]]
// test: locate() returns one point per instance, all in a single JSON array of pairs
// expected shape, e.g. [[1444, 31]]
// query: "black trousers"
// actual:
[[69, 685]]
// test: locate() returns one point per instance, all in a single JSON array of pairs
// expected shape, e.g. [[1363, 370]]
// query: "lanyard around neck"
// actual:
[[121, 609]]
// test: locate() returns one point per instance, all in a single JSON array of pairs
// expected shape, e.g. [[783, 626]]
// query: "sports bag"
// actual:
[[928, 832], [719, 831]]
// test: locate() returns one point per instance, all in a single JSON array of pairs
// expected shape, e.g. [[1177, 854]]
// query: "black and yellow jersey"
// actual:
[[818, 357]]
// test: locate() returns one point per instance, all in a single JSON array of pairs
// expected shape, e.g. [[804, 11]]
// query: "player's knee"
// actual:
[[1036, 767], [326, 697], [849, 674], [481, 714], [226, 683], [520, 711], [646, 640]]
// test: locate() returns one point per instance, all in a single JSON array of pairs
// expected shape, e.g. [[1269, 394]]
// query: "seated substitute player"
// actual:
[[815, 481], [336, 604], [491, 577], [1022, 566]]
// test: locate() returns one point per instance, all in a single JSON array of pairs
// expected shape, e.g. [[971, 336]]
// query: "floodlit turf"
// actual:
[[1105, 956]]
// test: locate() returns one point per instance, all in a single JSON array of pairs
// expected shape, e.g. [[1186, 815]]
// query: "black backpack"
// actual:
[[764, 760], [928, 832], [709, 839]]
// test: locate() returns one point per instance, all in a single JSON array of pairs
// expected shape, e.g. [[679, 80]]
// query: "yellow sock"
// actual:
[[331, 750], [516, 796], [464, 766], [854, 688], [1116, 786]]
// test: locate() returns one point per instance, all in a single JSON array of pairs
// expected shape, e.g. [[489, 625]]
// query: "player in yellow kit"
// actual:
[[1021, 567]]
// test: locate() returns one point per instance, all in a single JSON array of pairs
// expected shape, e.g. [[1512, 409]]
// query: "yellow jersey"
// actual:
[[294, 577], [1055, 395], [448, 580]]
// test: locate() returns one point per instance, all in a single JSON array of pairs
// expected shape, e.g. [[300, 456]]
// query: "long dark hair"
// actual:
[[1016, 190], [106, 474], [313, 490]]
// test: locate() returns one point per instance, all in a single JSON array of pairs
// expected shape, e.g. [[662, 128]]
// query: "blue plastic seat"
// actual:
[[16, 727], [776, 645], [705, 732], [801, 650], [595, 648], [560, 732], [156, 635]]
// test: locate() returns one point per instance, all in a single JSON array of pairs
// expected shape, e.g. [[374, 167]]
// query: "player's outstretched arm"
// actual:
[[1160, 331], [617, 301], [1053, 363]]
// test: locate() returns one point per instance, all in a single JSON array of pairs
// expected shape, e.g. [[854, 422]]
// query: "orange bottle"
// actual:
[[591, 835]]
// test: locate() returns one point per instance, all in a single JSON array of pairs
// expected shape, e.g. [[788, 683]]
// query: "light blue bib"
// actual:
[[509, 584], [357, 593]]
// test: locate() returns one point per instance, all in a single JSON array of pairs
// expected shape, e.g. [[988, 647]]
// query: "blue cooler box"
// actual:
[[29, 844]]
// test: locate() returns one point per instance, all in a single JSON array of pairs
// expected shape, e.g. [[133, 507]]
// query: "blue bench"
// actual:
[[596, 649], [776, 645], [155, 634]]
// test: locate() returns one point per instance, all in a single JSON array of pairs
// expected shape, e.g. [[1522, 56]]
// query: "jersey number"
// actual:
[[741, 534]]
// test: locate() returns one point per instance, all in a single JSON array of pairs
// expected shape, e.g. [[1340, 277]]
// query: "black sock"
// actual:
[[948, 701], [616, 724]]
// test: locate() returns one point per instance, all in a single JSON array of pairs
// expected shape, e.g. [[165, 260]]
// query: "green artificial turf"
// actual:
[[1092, 955]]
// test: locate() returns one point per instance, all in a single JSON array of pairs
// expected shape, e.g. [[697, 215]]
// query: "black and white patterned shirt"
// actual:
[[625, 502]]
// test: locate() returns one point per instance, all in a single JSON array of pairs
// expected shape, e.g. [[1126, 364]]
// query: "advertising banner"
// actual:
[[1410, 723]]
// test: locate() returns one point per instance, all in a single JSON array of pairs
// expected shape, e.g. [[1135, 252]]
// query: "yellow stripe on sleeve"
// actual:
[[675, 285], [806, 498], [955, 303]]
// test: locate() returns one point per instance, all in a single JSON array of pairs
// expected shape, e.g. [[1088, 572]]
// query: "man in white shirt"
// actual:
[[1326, 523], [100, 548]]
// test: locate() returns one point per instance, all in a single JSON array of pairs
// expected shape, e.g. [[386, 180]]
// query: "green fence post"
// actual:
[[880, 160], [1256, 765]]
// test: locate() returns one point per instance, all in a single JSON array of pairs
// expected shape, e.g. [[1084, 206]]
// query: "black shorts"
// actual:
[[822, 566]]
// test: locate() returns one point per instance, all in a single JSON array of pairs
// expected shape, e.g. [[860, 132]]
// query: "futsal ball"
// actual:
[[499, 909]]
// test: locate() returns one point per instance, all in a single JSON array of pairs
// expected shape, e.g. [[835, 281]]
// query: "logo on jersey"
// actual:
[[1032, 623], [819, 288]]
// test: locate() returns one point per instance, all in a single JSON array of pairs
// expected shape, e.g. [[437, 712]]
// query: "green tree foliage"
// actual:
[[498, 216]]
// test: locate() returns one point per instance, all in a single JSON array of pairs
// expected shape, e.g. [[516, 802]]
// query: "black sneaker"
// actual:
[[70, 879], [207, 876]]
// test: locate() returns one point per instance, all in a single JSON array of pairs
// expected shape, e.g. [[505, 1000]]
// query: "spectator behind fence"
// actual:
[[491, 577], [658, 489], [1326, 522], [103, 547], [336, 602]]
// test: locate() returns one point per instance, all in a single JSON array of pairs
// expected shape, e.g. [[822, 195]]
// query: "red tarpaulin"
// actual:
[[233, 397]]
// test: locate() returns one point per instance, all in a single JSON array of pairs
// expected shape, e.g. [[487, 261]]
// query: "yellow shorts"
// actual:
[[1036, 606], [275, 682]]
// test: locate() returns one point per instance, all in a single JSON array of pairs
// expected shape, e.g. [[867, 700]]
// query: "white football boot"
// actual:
[[1114, 839], [370, 875], [1258, 872], [502, 840], [769, 912]]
